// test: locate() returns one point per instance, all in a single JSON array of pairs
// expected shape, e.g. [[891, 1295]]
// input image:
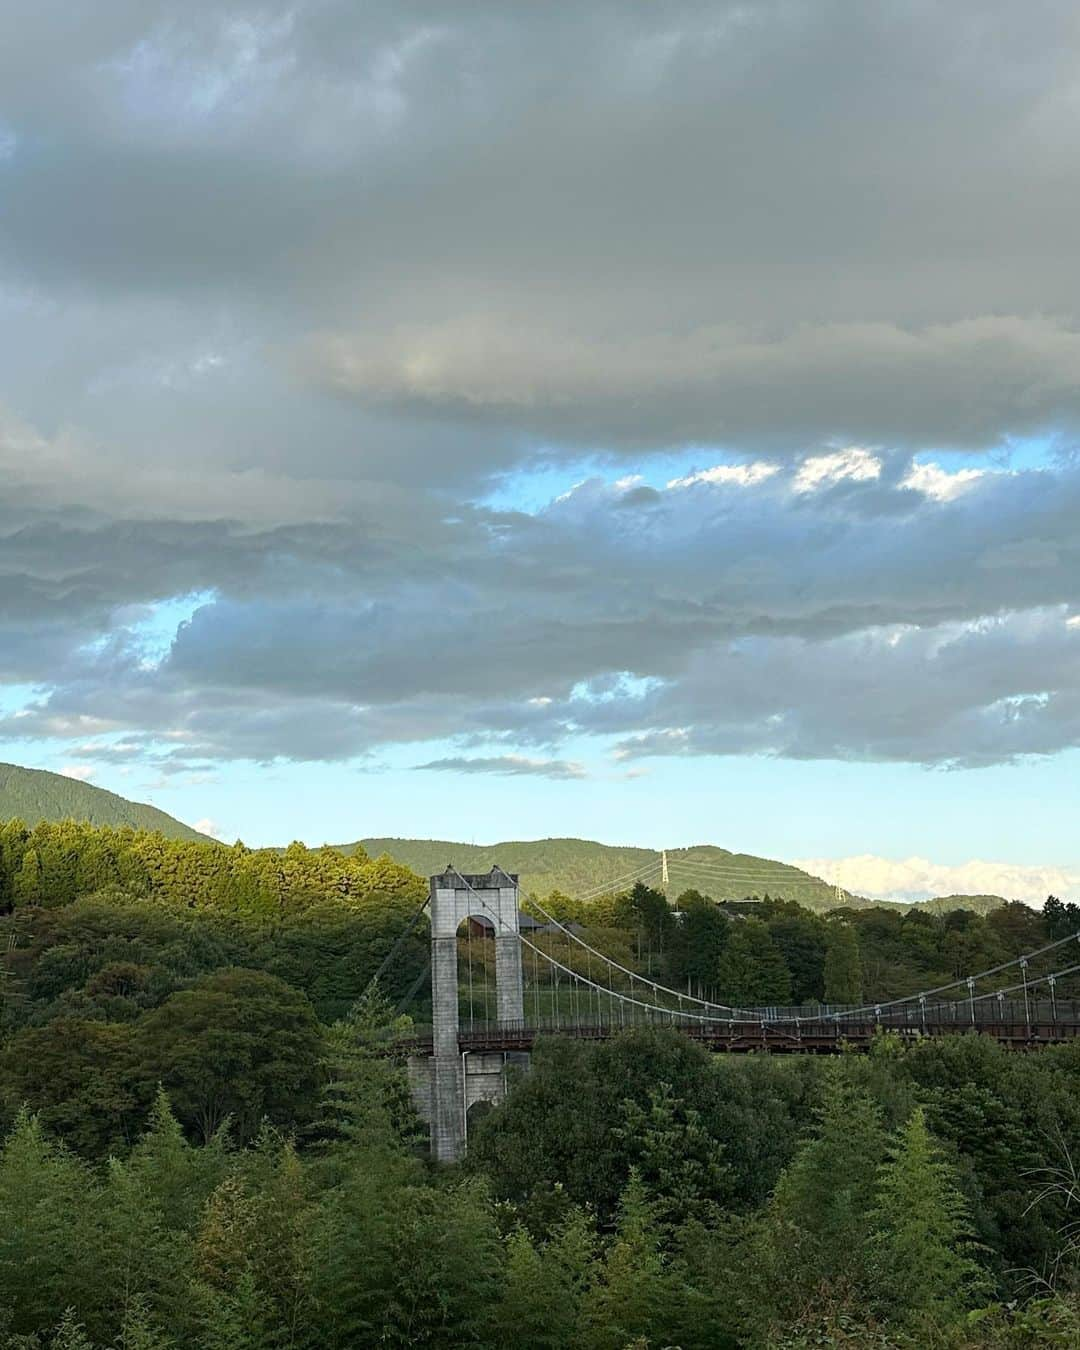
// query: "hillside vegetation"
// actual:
[[204, 1143], [35, 795], [579, 867], [582, 866]]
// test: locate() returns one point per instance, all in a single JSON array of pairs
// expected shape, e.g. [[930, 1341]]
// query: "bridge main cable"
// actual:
[[727, 1013], [740, 1015]]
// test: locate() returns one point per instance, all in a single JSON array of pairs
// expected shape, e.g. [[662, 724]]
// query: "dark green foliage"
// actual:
[[237, 1174], [567, 1124], [207, 974], [678, 1161], [239, 1046], [800, 938], [85, 1078], [752, 971], [815, 1230], [544, 1285], [696, 943], [354, 1243], [635, 1294], [843, 970], [1061, 919]]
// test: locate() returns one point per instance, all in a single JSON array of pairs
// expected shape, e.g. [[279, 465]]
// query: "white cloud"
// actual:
[[81, 772], [208, 826], [920, 879], [740, 475], [938, 484], [822, 470]]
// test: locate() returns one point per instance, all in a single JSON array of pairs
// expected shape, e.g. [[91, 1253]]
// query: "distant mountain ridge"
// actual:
[[34, 795], [580, 867]]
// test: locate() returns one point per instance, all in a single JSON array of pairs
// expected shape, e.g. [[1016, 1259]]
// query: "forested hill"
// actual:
[[582, 866], [978, 904], [34, 795]]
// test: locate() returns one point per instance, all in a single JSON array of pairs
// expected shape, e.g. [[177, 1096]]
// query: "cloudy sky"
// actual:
[[656, 422]]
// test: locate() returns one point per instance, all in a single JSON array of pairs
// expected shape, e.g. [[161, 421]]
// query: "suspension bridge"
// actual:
[[549, 979]]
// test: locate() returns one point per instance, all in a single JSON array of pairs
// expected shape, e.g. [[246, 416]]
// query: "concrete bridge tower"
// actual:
[[447, 1084]]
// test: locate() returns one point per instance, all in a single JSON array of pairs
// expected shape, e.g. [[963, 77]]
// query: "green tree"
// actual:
[[843, 973], [48, 1230], [446, 1264], [13, 836], [27, 885], [801, 939], [634, 1295], [680, 1164], [70, 1334], [180, 1176], [752, 971], [1062, 919], [921, 1248], [696, 943], [253, 1238], [652, 915], [561, 1124], [83, 1078], [544, 1285], [817, 1224], [238, 1044]]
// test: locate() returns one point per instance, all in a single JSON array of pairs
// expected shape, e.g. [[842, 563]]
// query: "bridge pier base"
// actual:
[[444, 1091]]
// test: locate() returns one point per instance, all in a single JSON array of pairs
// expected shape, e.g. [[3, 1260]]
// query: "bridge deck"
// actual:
[[810, 1038]]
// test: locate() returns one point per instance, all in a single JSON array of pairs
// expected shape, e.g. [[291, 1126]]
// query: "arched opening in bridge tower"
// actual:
[[477, 1005], [550, 997]]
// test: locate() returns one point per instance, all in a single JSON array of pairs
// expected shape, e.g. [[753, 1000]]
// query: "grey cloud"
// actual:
[[318, 645], [626, 224], [962, 696], [285, 288], [512, 765], [960, 384]]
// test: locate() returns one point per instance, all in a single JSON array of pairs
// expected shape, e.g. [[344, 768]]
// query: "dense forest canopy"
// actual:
[[207, 1143], [37, 795]]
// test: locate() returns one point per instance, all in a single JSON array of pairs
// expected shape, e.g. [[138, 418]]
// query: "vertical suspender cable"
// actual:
[[469, 951], [1027, 1004]]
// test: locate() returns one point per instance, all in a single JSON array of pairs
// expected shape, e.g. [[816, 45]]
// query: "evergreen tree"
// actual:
[[633, 1296], [26, 887], [1062, 919], [95, 868], [818, 1219], [680, 1165], [801, 939], [752, 972], [13, 836], [653, 915], [696, 943], [49, 1210], [543, 1286], [921, 1246], [445, 1260], [140, 1330], [70, 1334], [843, 972]]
